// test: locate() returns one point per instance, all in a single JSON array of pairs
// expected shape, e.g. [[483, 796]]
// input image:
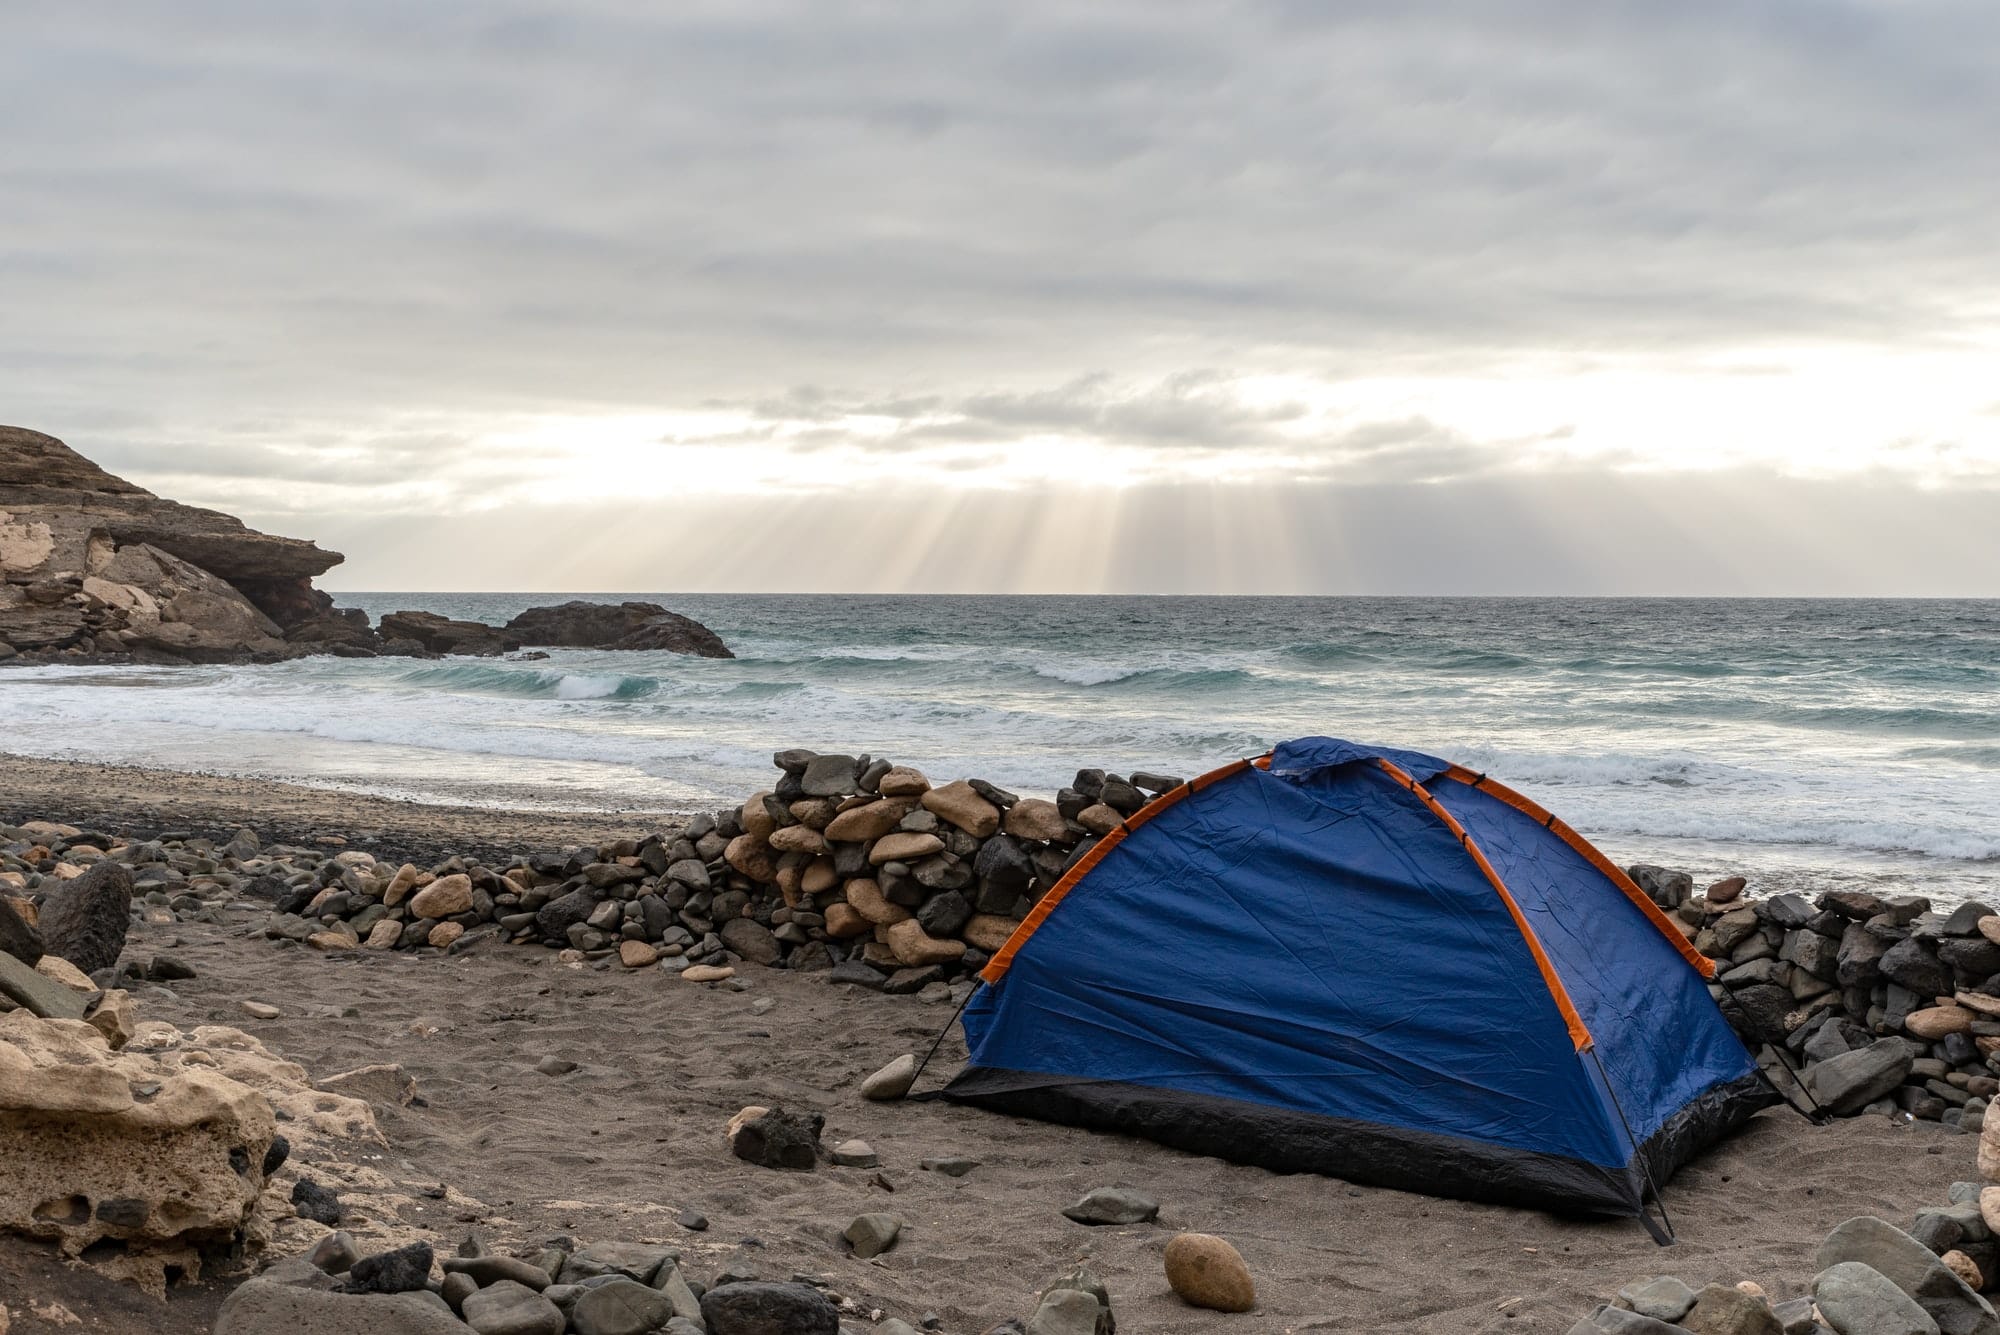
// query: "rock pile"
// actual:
[[848, 865], [1888, 1005], [556, 1286], [1871, 1278]]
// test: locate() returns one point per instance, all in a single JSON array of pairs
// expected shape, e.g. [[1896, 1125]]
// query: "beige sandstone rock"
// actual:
[[637, 954], [1965, 1268], [914, 946], [791, 880], [797, 839], [820, 877], [864, 895], [902, 781], [755, 820], [114, 1016], [815, 813], [904, 847], [1989, 1203], [1207, 1272], [962, 805], [180, 1149], [444, 897], [750, 855], [334, 939], [1036, 818], [384, 935], [1989, 1153], [707, 973], [1979, 1001], [844, 920], [445, 933], [1936, 1022], [1099, 819], [988, 931], [893, 1081], [1989, 927], [60, 970], [872, 821], [406, 879]]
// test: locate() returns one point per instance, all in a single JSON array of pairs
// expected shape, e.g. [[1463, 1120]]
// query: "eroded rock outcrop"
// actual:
[[95, 565], [95, 568], [165, 1161]]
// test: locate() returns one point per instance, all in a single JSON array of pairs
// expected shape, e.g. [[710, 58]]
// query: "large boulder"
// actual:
[[263, 1307], [628, 625], [1857, 1297], [1912, 1268], [758, 1308], [444, 635], [1851, 1081], [164, 1158], [85, 920]]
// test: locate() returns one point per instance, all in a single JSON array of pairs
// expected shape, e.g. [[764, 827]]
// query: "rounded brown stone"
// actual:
[[1207, 1272]]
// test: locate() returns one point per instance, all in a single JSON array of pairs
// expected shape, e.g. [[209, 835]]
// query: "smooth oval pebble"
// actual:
[[1207, 1272]]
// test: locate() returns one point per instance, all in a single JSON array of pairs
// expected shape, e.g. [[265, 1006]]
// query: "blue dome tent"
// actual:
[[1372, 964]]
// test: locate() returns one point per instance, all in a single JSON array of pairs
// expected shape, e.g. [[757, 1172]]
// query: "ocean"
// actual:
[[1806, 744]]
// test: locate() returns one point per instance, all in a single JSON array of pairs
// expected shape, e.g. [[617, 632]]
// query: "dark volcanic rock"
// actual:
[[555, 918], [85, 920], [757, 1308], [317, 1203], [404, 1270], [18, 937], [779, 1139], [443, 635], [1916, 966], [629, 625]]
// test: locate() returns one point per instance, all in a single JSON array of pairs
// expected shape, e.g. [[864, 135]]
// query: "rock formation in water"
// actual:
[[630, 625], [96, 569]]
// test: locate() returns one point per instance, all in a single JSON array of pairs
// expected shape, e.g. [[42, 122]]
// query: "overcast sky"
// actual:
[[1491, 296]]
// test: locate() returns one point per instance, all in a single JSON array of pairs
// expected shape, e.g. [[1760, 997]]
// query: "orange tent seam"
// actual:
[[1590, 853], [1579, 1032]]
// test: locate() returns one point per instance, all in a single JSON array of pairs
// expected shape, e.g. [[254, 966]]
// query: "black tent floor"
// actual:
[[1370, 1153]]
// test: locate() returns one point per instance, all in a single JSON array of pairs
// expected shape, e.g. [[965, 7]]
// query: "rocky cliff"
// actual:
[[91, 564], [95, 568]]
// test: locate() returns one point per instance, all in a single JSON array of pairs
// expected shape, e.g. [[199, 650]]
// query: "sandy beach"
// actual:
[[619, 1147], [134, 798]]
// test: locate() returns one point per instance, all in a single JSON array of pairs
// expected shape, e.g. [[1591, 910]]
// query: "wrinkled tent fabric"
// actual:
[[1302, 965]]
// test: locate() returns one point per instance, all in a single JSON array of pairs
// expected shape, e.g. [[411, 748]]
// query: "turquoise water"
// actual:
[[1805, 742]]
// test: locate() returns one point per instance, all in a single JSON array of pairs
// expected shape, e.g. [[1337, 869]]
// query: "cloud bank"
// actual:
[[390, 260]]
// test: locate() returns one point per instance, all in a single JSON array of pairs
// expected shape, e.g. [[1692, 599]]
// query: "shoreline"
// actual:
[[151, 800]]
